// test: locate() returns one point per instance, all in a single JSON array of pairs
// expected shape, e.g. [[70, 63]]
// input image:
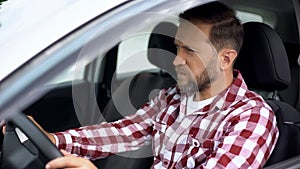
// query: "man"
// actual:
[[209, 120]]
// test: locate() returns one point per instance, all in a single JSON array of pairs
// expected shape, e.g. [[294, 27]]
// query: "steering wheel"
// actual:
[[25, 145]]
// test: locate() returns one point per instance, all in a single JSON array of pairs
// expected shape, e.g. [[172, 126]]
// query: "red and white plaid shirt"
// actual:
[[236, 130]]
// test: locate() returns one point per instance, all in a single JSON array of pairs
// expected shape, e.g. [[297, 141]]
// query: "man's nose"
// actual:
[[179, 60]]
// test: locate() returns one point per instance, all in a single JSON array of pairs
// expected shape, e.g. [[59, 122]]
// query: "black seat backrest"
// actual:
[[264, 65], [135, 92], [291, 94]]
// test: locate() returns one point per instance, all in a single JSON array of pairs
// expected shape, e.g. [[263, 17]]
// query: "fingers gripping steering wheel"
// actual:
[[25, 145]]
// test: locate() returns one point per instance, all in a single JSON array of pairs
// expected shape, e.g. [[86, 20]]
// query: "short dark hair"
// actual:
[[226, 29]]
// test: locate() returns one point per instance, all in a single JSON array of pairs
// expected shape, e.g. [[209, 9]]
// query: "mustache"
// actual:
[[184, 70]]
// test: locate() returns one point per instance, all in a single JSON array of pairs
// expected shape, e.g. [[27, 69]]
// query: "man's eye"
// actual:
[[190, 50]]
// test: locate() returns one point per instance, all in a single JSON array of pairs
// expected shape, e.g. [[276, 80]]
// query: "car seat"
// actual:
[[263, 63], [138, 90], [291, 94], [161, 53]]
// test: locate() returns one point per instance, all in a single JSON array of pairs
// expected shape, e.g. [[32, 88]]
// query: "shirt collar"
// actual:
[[232, 94]]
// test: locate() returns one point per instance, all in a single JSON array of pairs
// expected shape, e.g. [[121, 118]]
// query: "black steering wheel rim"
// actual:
[[35, 135]]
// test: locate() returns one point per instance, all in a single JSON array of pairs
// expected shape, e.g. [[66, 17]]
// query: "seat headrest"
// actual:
[[161, 48], [262, 59]]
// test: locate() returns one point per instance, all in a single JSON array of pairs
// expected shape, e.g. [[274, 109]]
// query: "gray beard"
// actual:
[[200, 82]]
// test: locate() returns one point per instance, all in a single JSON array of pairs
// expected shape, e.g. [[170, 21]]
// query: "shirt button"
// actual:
[[196, 143], [165, 162]]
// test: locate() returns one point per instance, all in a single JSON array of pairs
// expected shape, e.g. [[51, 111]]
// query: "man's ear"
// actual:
[[227, 57]]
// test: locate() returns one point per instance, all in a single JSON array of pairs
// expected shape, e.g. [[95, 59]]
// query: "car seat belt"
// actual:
[[297, 13]]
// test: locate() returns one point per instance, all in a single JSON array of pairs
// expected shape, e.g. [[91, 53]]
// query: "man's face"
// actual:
[[196, 63]]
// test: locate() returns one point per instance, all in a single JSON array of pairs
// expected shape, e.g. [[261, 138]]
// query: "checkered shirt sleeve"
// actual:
[[102, 140]]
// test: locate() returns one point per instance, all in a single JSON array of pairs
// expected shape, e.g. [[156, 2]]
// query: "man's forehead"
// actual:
[[195, 27], [191, 34]]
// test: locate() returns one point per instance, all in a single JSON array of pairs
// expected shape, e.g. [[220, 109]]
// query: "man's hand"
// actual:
[[50, 136], [70, 161]]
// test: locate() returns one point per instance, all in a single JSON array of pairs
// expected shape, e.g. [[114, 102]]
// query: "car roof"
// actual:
[[27, 27]]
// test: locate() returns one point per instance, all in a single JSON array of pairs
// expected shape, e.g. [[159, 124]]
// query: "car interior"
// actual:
[[268, 62]]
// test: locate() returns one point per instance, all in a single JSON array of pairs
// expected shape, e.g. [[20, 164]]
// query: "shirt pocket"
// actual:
[[158, 134], [196, 152]]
